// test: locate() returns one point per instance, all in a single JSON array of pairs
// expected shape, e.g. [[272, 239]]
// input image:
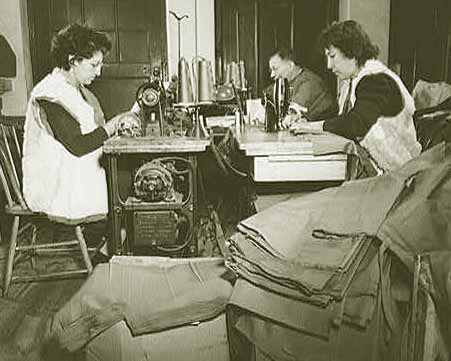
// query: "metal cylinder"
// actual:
[[205, 81], [185, 88]]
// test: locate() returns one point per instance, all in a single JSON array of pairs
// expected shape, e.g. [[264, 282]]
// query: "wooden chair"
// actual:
[[24, 218], [9, 136]]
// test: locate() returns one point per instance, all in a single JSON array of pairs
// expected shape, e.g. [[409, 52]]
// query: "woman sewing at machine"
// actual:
[[65, 129], [375, 108]]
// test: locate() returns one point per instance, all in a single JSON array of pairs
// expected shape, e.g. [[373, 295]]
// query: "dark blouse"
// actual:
[[375, 95], [67, 130]]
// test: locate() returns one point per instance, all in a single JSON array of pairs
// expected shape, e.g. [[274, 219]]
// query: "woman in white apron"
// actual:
[[64, 132], [375, 108]]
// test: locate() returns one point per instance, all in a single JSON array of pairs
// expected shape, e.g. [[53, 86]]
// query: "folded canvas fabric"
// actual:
[[266, 283], [437, 272], [311, 314], [150, 297], [356, 328], [314, 285], [407, 210], [421, 223], [359, 206], [365, 324], [302, 316], [278, 342], [356, 309], [304, 276], [355, 207]]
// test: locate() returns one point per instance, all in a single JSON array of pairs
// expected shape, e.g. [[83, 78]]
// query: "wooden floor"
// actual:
[[27, 309], [25, 314]]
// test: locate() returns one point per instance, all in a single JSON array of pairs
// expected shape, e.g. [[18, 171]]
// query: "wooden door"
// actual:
[[294, 24], [137, 29], [251, 30], [276, 29]]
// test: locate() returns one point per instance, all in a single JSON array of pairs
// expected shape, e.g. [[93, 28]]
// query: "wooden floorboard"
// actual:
[[26, 312]]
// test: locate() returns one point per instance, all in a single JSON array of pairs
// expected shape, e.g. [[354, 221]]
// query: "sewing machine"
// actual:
[[277, 107]]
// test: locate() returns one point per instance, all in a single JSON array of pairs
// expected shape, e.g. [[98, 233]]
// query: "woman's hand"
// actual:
[[295, 108], [112, 125], [291, 120], [126, 123]]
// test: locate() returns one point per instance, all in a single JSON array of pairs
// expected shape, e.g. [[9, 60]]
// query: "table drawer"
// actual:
[[299, 168]]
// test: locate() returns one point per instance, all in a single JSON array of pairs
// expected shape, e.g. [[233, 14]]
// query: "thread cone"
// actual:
[[185, 88], [205, 81]]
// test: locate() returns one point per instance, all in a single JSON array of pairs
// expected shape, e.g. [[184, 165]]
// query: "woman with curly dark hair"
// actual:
[[375, 108], [65, 129]]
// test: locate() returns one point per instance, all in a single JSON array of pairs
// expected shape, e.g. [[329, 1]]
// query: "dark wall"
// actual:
[[251, 30], [420, 40], [136, 28]]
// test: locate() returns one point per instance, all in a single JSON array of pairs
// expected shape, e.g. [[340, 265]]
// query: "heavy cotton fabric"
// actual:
[[427, 94], [347, 342], [391, 141], [355, 207], [321, 243], [356, 307], [408, 210], [319, 280], [437, 272], [56, 182], [150, 295], [421, 221], [366, 324]]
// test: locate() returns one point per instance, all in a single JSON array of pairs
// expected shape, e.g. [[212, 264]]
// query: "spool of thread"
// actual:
[[242, 74], [185, 88], [237, 76], [228, 77], [205, 81], [233, 74], [237, 121]]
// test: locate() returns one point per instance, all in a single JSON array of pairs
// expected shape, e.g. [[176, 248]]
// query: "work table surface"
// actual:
[[254, 141], [118, 145]]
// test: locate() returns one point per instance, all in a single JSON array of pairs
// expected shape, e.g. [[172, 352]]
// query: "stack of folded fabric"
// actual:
[[297, 284], [311, 264], [309, 248], [320, 273], [299, 281]]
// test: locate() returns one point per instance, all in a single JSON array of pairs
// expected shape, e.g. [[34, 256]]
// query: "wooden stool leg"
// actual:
[[33, 242], [11, 254], [84, 248]]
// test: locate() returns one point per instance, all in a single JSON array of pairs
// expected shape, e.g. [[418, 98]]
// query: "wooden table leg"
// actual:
[[114, 207]]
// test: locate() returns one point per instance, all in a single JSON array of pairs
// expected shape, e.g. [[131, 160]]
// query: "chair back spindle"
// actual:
[[12, 149], [10, 181]]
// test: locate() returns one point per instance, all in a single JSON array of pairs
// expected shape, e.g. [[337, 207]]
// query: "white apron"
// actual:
[[391, 141], [56, 182]]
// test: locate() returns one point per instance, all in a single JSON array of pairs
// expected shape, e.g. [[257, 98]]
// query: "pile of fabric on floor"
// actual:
[[145, 308], [327, 276]]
